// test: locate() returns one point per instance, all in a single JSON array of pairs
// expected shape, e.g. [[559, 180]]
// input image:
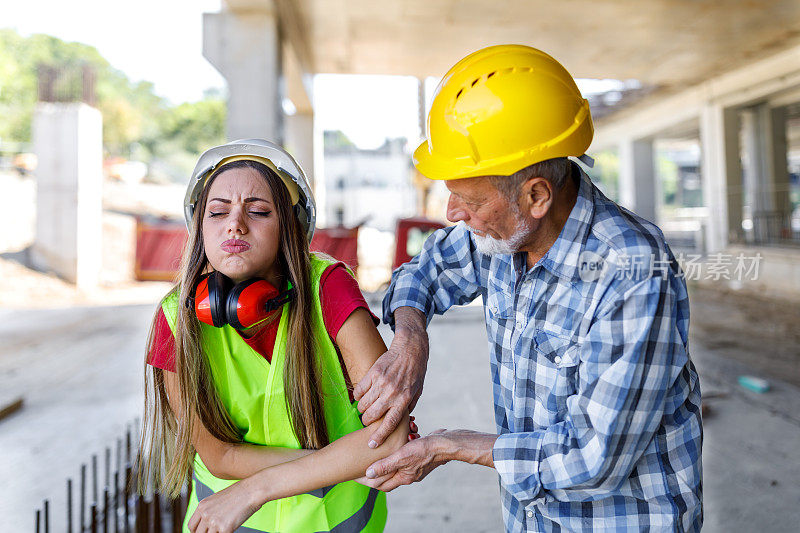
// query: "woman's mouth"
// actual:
[[234, 246]]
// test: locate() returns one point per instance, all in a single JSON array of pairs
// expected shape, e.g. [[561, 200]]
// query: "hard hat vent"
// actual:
[[507, 70]]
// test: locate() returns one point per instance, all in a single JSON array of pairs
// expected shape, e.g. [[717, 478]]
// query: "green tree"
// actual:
[[134, 116]]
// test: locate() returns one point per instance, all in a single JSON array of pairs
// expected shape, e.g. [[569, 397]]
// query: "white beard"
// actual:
[[490, 246]]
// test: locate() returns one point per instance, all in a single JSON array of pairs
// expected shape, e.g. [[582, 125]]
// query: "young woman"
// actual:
[[267, 402]]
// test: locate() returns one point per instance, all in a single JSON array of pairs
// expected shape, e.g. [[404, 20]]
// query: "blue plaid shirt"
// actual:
[[595, 398]]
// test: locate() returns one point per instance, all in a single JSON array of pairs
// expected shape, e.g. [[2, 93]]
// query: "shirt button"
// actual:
[[530, 514], [557, 359]]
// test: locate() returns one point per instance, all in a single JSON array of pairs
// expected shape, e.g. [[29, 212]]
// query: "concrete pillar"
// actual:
[[637, 177], [766, 170], [320, 188], [300, 141], [68, 141], [778, 147], [722, 176], [245, 49], [758, 188]]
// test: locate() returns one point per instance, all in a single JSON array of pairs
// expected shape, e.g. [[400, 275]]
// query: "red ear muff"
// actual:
[[247, 302], [218, 302], [210, 296], [202, 305]]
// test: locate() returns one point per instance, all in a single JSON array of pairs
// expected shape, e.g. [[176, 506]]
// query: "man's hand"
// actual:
[[419, 457], [411, 463], [224, 511], [394, 383]]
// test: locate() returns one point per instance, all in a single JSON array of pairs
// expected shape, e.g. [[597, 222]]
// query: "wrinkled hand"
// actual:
[[412, 435], [409, 464], [394, 383], [224, 511]]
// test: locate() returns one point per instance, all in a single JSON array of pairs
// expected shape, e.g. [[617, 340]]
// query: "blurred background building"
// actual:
[[369, 186]]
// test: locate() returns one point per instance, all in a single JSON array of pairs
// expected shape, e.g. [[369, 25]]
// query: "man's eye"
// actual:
[[260, 213], [212, 215]]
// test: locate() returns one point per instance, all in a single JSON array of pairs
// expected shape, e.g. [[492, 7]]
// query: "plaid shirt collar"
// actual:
[[562, 258]]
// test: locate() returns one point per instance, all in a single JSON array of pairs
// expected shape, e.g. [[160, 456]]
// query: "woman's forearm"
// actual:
[[243, 460], [342, 460]]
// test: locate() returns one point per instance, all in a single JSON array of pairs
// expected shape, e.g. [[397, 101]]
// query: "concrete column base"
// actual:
[[68, 141]]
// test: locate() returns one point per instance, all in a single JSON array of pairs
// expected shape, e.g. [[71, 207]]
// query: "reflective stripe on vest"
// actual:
[[252, 392]]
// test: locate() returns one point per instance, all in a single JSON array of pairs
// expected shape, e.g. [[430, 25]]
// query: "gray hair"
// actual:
[[555, 171]]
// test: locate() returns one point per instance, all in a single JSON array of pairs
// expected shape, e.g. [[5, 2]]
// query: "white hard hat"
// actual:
[[262, 151]]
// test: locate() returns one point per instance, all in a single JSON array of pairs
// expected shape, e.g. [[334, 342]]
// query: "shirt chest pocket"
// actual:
[[499, 302], [500, 314], [557, 361]]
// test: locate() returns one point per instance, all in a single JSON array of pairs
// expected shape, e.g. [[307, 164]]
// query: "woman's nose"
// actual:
[[237, 222]]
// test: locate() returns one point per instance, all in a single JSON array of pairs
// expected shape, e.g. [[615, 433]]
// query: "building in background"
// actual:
[[371, 186]]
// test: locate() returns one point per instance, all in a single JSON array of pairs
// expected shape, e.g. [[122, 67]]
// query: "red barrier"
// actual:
[[339, 242], [411, 234], [159, 244]]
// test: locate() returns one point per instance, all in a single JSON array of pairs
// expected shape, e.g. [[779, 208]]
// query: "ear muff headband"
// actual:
[[280, 300], [291, 186]]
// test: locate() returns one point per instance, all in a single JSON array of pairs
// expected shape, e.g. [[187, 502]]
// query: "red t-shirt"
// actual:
[[339, 296]]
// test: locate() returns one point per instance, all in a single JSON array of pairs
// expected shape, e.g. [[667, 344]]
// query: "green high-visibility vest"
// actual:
[[252, 391]]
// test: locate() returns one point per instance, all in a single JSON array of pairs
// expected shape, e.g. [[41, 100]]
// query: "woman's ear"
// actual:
[[536, 197]]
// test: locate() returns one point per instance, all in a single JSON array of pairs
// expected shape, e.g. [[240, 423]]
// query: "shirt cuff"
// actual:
[[405, 293], [516, 459]]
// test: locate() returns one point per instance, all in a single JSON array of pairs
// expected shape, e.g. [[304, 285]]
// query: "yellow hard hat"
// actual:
[[502, 109]]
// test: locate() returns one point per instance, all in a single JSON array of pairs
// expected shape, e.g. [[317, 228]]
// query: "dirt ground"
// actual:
[[761, 332]]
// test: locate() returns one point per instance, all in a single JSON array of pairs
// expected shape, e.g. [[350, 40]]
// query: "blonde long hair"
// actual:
[[166, 446]]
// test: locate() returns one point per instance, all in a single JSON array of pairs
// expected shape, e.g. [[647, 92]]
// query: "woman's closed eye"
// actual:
[[212, 214]]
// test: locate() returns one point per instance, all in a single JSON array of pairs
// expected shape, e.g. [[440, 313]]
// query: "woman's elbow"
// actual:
[[214, 461]]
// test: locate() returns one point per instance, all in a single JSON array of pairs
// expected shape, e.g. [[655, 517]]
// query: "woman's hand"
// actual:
[[414, 430], [224, 511]]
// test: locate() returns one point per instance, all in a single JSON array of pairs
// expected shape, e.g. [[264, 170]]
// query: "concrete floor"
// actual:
[[80, 372]]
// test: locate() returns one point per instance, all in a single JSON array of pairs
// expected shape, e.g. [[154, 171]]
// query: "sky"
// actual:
[[161, 41], [158, 41]]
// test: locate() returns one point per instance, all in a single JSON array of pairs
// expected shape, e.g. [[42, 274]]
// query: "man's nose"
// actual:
[[455, 210]]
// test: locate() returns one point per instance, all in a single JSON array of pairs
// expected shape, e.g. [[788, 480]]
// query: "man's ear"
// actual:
[[537, 197]]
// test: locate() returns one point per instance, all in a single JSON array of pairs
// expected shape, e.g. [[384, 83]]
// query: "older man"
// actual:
[[596, 401]]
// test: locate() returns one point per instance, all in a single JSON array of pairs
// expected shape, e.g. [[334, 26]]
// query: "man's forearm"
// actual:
[[410, 328], [467, 446], [410, 320]]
